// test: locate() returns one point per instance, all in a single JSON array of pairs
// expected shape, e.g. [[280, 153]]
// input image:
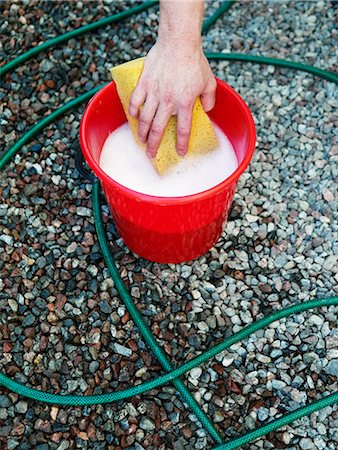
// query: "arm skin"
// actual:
[[175, 73]]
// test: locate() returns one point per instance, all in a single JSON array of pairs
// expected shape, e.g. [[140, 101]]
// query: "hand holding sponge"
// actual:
[[202, 139]]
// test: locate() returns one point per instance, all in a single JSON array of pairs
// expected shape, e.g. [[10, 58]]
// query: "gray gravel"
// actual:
[[63, 327]]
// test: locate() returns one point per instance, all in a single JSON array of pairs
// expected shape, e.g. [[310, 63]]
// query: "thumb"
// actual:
[[208, 97]]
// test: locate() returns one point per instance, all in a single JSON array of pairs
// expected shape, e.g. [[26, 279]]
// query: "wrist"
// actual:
[[180, 24]]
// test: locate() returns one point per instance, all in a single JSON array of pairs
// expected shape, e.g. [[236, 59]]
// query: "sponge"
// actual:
[[202, 139]]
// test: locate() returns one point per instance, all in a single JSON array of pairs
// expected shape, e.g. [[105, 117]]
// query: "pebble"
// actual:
[[121, 350], [306, 444], [83, 211], [5, 402], [71, 247], [195, 373], [332, 368], [7, 239], [280, 261], [147, 424], [28, 320], [278, 384], [227, 360], [315, 320], [21, 407], [262, 414]]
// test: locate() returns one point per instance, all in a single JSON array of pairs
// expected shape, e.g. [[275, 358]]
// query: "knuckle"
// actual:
[[133, 103], [185, 103], [143, 121], [168, 99], [183, 133], [156, 130]]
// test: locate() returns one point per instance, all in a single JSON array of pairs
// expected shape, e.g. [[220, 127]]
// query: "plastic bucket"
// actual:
[[168, 229]]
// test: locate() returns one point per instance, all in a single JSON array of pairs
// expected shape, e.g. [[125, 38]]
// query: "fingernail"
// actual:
[[181, 152]]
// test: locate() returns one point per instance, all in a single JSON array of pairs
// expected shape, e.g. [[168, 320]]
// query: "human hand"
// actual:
[[174, 75]]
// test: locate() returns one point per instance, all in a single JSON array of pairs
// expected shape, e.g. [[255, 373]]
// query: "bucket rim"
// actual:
[[106, 179]]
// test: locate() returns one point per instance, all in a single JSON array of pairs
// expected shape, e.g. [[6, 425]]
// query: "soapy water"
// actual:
[[125, 162]]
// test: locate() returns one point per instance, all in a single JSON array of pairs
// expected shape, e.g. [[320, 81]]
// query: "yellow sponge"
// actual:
[[202, 139]]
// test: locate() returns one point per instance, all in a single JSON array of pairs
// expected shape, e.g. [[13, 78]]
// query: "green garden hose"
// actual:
[[171, 375]]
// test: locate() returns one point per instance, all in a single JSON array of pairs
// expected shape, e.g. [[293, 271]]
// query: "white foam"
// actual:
[[125, 162]]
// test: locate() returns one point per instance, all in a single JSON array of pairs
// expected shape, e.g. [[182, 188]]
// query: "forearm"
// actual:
[[180, 23]]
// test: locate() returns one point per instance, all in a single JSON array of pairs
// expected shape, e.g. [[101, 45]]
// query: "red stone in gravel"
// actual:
[[187, 432], [56, 437], [7, 347], [218, 368], [83, 435], [132, 344], [29, 332], [50, 84], [28, 343], [91, 430], [234, 387], [61, 146], [60, 302], [12, 370], [43, 343], [125, 318]]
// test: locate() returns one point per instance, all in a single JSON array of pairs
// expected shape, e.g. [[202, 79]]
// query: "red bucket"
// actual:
[[168, 229]]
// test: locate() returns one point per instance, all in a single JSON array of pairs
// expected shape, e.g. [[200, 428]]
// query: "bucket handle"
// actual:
[[79, 164]]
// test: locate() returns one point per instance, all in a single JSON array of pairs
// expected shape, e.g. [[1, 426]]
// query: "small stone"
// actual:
[[54, 412], [28, 320], [262, 414], [278, 384], [146, 424], [94, 366], [56, 179], [72, 385], [280, 261], [263, 358], [104, 307], [5, 401], [316, 320], [71, 248], [306, 444], [21, 407], [7, 239], [277, 100], [121, 350], [321, 428], [298, 396], [250, 218], [330, 262], [195, 373], [83, 211], [93, 270], [332, 368], [227, 360], [13, 305], [186, 271], [328, 195]]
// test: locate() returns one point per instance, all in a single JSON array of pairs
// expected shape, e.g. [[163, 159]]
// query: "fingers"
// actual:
[[184, 118], [156, 131], [208, 97], [137, 99], [146, 117]]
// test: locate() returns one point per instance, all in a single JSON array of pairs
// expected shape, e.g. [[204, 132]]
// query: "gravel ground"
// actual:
[[63, 327]]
